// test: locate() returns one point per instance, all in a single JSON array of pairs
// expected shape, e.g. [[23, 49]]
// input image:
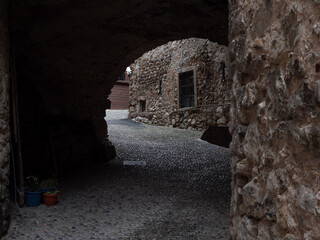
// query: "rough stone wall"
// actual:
[[4, 118], [275, 68], [158, 71]]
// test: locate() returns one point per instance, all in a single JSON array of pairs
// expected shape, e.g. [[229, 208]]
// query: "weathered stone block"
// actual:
[[243, 168]]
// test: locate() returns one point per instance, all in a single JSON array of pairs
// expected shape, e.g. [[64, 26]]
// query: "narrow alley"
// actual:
[[165, 183]]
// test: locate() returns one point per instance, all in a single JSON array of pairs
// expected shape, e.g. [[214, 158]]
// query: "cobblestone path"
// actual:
[[180, 190]]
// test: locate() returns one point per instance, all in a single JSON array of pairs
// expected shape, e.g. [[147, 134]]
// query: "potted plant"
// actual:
[[50, 197], [49, 184], [32, 191]]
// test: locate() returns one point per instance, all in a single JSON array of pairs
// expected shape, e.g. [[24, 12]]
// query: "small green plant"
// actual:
[[32, 184], [49, 183], [52, 192]]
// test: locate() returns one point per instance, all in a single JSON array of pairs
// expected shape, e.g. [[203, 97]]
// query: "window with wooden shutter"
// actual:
[[186, 89]]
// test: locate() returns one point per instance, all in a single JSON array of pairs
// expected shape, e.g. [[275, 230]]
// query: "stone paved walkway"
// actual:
[[182, 192]]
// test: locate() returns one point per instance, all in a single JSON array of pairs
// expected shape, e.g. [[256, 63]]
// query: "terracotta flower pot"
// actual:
[[50, 199]]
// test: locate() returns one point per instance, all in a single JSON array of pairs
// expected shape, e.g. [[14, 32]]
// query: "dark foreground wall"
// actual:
[[4, 118]]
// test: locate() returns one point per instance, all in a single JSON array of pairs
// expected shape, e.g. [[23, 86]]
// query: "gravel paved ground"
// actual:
[[183, 191]]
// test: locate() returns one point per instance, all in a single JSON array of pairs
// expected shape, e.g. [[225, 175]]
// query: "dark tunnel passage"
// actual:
[[65, 58], [67, 55]]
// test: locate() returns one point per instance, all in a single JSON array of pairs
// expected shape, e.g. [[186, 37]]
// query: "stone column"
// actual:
[[4, 118], [97, 102], [105, 147], [275, 66]]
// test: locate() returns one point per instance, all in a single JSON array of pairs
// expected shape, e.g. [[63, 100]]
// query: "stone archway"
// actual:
[[71, 52], [274, 48]]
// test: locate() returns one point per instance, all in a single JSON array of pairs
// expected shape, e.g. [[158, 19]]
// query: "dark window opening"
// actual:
[[223, 67], [122, 77], [186, 89], [160, 87], [318, 67], [142, 105]]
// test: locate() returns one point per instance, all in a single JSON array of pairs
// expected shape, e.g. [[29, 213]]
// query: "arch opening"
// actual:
[[64, 53], [168, 151], [69, 70]]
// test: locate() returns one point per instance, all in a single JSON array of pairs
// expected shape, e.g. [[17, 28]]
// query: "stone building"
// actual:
[[181, 84], [69, 52]]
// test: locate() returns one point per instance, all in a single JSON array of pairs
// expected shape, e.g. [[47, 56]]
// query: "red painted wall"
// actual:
[[119, 96]]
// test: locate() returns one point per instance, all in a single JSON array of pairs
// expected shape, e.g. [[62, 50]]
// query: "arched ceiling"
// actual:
[[115, 30], [71, 51]]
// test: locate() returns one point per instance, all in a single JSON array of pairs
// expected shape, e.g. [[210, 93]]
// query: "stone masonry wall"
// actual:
[[275, 68], [4, 118], [158, 70]]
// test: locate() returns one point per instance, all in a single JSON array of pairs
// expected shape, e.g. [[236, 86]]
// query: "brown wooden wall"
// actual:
[[119, 96]]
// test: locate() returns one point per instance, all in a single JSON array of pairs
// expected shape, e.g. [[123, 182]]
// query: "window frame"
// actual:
[[185, 70], [142, 106], [138, 110]]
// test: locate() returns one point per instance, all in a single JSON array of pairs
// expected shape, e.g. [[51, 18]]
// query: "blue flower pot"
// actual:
[[32, 198]]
